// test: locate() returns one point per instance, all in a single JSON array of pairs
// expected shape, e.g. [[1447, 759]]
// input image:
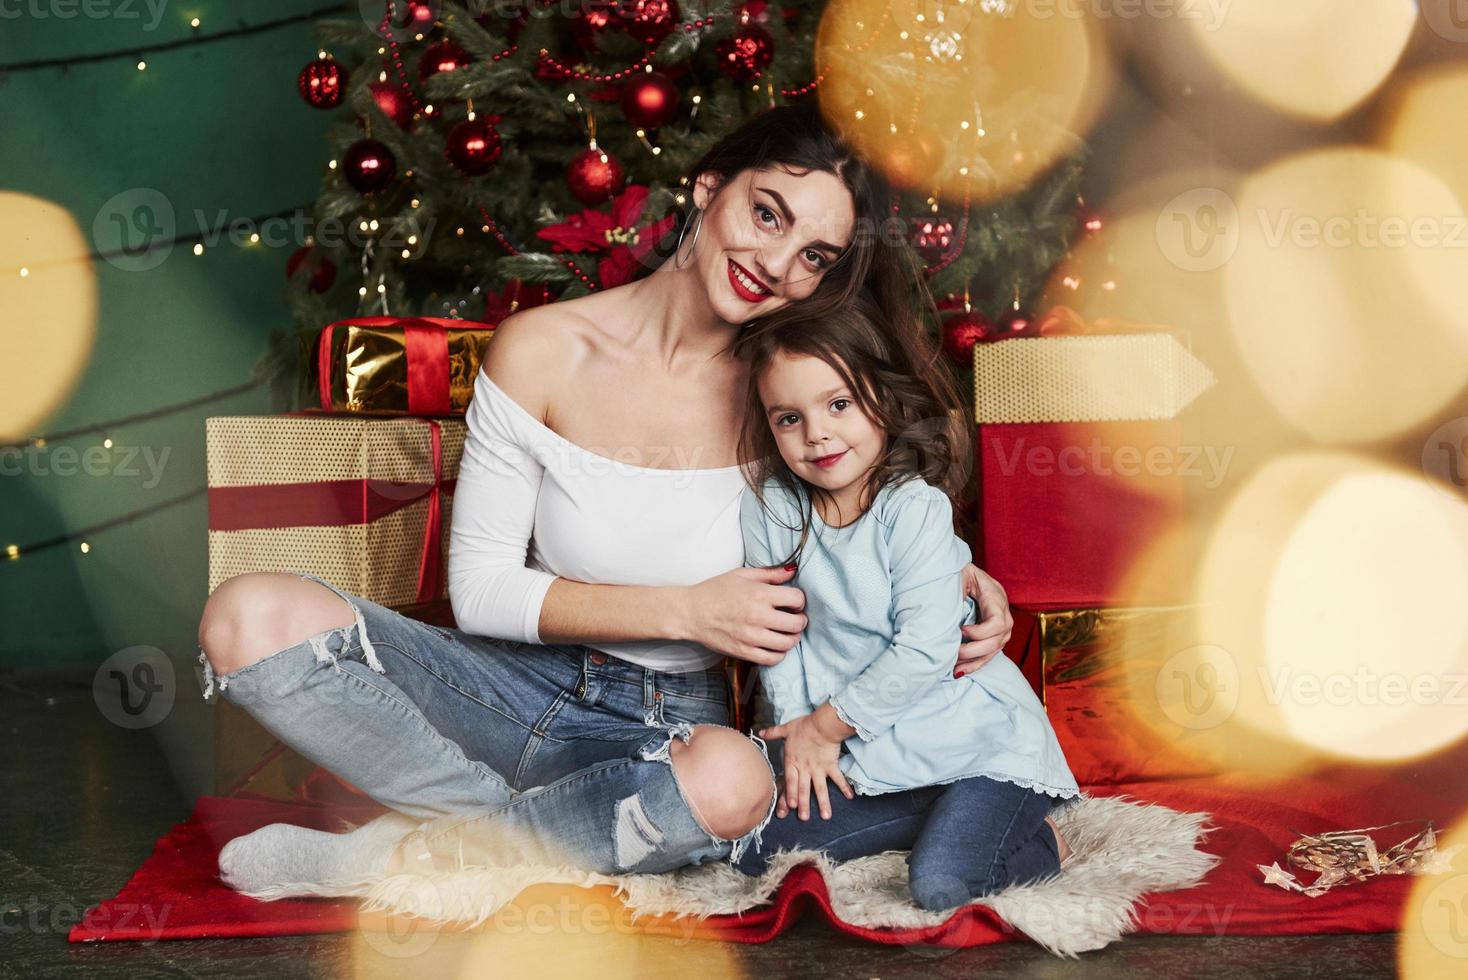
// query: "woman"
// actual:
[[582, 722]]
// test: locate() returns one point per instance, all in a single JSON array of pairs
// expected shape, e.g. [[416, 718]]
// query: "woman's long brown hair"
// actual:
[[897, 378], [878, 261]]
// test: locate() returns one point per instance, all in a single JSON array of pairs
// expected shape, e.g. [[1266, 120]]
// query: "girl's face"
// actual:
[[768, 238], [822, 433]]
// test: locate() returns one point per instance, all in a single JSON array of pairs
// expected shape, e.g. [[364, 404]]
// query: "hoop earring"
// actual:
[[693, 245]]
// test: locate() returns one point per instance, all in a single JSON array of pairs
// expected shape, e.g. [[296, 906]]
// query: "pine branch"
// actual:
[[534, 267]]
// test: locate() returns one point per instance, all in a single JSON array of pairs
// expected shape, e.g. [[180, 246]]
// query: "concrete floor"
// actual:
[[84, 800]]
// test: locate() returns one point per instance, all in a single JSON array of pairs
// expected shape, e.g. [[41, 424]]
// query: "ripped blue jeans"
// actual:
[[509, 752]]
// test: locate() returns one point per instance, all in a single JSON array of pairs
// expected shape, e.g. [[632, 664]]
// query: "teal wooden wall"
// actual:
[[213, 126]]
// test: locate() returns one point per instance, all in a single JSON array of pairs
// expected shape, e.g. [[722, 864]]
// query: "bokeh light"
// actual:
[[1344, 294], [961, 97], [544, 930], [1315, 59], [1432, 941], [1314, 584], [49, 295], [1423, 122]]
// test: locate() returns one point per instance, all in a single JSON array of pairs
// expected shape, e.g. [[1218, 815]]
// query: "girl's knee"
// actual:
[[937, 890], [726, 779]]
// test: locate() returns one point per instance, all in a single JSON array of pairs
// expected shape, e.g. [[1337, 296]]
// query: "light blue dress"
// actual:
[[885, 600]]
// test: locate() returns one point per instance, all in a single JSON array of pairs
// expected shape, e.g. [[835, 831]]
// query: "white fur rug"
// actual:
[[1123, 850]]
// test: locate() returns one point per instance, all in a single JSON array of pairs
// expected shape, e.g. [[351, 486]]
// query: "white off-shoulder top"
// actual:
[[531, 506]]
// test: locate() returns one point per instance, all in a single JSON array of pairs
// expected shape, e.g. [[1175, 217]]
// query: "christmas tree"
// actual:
[[499, 155]]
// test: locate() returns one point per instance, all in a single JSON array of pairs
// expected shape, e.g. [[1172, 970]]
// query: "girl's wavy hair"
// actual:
[[900, 382], [878, 260]]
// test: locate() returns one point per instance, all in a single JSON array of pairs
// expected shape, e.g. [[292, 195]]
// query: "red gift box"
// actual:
[[1068, 510], [1081, 467]]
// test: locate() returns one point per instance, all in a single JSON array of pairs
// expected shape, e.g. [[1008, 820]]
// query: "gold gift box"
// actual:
[[423, 366]]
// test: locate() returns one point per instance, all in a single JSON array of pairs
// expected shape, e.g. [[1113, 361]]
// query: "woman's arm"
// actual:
[[493, 592], [982, 641]]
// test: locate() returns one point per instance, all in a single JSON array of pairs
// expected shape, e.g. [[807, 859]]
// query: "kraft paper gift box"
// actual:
[[1080, 467], [362, 502]]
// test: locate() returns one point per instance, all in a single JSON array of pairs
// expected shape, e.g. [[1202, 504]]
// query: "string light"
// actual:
[[194, 38], [107, 443], [142, 66], [24, 272], [198, 248], [86, 548]]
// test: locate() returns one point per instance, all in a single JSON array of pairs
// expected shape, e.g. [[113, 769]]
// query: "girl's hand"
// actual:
[[810, 759], [983, 640], [746, 613]]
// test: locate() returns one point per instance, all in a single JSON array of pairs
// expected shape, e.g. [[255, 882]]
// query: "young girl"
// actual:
[[860, 447]]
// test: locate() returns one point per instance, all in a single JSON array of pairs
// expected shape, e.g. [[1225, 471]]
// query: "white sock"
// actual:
[[283, 860]]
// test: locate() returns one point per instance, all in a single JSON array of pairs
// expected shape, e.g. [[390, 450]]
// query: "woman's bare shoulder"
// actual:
[[533, 351]]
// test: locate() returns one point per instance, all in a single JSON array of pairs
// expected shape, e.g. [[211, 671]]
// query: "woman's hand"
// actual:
[[812, 748], [746, 613], [983, 640]]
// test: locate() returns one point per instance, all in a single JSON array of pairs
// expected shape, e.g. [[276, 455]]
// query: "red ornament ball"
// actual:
[[323, 83], [393, 103], [322, 269], [910, 162], [650, 100], [440, 57], [369, 166], [649, 20], [473, 146], [596, 17], [421, 14], [594, 179], [744, 56], [753, 12], [932, 237], [1015, 324], [961, 332]]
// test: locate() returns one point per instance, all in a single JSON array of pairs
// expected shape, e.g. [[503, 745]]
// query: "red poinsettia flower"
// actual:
[[599, 231], [621, 263], [516, 295]]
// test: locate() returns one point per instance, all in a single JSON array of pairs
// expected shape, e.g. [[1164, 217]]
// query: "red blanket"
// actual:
[[176, 894]]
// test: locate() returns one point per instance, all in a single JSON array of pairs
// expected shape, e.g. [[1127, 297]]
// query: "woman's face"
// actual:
[[768, 238]]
